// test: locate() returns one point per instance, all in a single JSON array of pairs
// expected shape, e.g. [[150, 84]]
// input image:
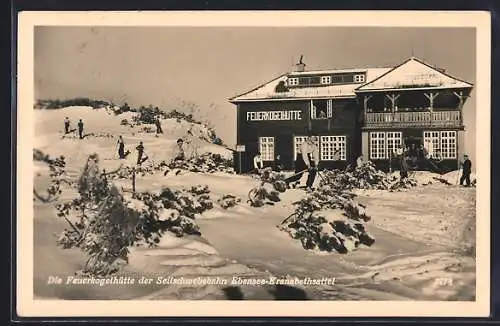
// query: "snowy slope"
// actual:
[[106, 127]]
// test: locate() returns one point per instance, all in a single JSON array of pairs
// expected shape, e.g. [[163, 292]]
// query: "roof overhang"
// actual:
[[274, 99], [378, 90]]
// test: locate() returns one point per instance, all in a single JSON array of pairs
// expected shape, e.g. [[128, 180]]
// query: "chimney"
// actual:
[[300, 66]]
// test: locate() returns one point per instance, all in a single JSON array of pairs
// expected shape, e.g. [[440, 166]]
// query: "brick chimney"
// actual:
[[300, 66]]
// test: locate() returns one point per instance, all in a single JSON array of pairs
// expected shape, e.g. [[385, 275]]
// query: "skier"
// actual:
[[466, 171], [257, 163], [80, 128], [121, 148], [140, 152], [158, 126], [66, 125], [307, 159]]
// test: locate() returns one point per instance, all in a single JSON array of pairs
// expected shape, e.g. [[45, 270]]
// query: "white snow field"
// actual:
[[417, 245]]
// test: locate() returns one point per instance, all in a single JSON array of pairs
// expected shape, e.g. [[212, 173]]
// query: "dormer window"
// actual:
[[326, 80], [359, 78], [293, 81]]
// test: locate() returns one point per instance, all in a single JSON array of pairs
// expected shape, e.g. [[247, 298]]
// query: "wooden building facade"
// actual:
[[366, 111]]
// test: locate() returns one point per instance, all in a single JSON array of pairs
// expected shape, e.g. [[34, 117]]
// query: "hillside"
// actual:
[[102, 128]]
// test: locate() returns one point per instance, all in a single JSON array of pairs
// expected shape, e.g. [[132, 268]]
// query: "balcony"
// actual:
[[414, 119]]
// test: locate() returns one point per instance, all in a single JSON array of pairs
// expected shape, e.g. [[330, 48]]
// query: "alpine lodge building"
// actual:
[[365, 111]]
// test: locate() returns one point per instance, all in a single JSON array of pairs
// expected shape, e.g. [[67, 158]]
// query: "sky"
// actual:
[[205, 66]]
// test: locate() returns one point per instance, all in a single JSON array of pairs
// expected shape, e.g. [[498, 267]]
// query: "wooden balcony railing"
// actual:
[[414, 119]]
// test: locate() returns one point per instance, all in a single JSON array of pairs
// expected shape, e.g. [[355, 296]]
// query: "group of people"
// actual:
[[308, 157], [67, 126], [179, 153], [307, 160]]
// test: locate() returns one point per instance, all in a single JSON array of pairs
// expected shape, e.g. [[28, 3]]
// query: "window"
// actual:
[[297, 142], [266, 148], [319, 109], [326, 79], [293, 81], [333, 148], [394, 140], [377, 145], [448, 145], [359, 78], [444, 143]]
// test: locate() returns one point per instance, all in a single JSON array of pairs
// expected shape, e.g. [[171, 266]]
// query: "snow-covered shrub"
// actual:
[[57, 175], [366, 176], [271, 184], [228, 201], [309, 224], [104, 222]]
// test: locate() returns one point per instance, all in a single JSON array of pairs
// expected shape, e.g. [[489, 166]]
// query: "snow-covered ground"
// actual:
[[422, 235]]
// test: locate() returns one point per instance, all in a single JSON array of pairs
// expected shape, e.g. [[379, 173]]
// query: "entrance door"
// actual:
[[413, 146]]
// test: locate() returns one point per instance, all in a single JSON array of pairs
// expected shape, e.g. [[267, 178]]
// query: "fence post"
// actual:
[[133, 180]]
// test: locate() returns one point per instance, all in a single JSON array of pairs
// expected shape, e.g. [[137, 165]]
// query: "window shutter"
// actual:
[[329, 109]]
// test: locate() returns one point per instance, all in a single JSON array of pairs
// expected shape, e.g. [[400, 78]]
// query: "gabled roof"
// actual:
[[266, 92], [413, 74]]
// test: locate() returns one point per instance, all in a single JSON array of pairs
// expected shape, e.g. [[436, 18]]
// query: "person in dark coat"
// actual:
[[403, 170], [66, 125], [121, 148], [158, 126], [466, 171], [80, 128], [140, 152], [278, 164]]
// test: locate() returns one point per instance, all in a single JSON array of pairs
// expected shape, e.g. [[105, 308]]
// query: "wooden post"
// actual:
[[461, 103], [431, 96], [310, 113], [366, 98], [393, 98], [133, 180]]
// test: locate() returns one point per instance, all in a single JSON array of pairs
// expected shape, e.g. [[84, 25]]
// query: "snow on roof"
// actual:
[[267, 90], [413, 73]]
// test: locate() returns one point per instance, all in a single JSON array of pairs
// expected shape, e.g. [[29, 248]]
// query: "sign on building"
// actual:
[[274, 115]]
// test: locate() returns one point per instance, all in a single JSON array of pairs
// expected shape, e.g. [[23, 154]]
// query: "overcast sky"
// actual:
[[164, 66]]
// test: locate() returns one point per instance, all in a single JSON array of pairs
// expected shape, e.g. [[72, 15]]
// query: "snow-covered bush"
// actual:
[[228, 201], [366, 176], [271, 184], [104, 222], [309, 222], [57, 175]]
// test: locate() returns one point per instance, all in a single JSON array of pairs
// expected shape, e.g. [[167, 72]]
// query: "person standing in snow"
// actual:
[[278, 165], [179, 153], [466, 171], [307, 159], [66, 125], [257, 163], [429, 147], [158, 126], [404, 167], [140, 152], [80, 128], [121, 148]]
